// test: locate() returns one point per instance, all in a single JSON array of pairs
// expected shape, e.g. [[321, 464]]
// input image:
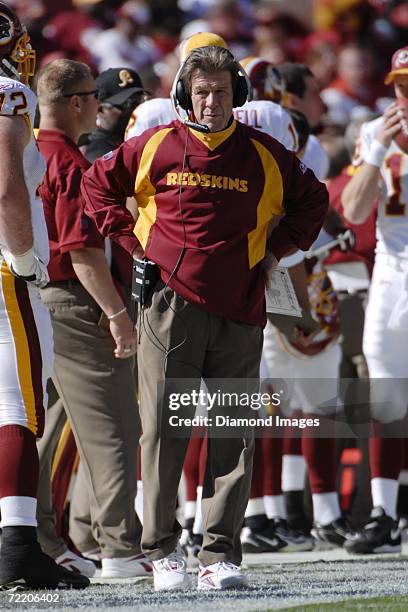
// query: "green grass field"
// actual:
[[388, 604]]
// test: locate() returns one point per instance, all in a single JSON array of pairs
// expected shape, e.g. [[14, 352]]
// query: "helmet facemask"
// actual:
[[24, 57], [17, 58]]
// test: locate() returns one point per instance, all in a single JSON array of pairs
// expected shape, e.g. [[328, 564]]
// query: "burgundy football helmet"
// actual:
[[17, 58], [266, 80]]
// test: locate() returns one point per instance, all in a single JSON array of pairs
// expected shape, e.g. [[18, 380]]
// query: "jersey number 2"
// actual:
[[16, 96], [22, 106]]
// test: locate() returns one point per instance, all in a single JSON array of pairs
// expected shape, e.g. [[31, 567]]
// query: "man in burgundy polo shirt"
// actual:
[[94, 338]]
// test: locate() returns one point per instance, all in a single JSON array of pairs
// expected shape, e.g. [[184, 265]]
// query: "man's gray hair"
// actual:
[[209, 59], [59, 78]]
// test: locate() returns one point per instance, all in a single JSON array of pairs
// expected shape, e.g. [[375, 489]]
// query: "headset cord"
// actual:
[[160, 346]]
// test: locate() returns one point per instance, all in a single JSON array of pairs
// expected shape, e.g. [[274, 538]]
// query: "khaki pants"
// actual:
[[80, 514], [98, 394], [55, 419], [208, 347]]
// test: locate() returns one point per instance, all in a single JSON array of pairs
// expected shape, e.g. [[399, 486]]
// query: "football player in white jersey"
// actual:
[[383, 178], [264, 111], [302, 94], [280, 362], [25, 328]]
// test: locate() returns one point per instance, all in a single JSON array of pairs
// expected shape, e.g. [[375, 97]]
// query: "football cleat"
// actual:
[[332, 535], [220, 576], [380, 535], [297, 519], [261, 540], [26, 565], [295, 541]]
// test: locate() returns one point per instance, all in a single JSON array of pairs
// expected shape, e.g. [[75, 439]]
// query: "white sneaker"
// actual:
[[126, 567], [221, 575], [76, 564], [170, 573]]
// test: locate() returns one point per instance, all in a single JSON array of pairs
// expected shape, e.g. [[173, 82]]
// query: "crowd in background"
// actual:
[[346, 43]]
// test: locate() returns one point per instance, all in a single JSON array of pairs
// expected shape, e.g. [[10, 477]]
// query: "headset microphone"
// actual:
[[197, 126]]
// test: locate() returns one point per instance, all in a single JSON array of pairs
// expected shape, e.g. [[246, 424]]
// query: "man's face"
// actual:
[[108, 116], [311, 104], [401, 85], [212, 95], [89, 105]]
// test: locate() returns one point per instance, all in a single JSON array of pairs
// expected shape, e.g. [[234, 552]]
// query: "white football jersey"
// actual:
[[17, 99], [261, 114], [392, 219], [270, 118]]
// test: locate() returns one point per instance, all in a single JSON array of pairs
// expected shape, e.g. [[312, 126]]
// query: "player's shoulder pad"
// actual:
[[16, 98]]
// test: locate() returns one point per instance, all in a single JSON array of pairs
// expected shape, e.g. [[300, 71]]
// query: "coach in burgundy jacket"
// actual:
[[207, 201]]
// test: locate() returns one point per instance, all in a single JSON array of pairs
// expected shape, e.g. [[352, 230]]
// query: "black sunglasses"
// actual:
[[82, 93]]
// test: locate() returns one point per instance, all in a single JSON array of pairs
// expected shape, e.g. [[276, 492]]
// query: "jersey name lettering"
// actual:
[[193, 179], [249, 117]]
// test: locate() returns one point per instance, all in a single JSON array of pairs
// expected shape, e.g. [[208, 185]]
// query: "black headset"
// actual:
[[241, 93]]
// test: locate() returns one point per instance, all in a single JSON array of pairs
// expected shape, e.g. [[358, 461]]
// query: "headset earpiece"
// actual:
[[241, 93], [183, 97]]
